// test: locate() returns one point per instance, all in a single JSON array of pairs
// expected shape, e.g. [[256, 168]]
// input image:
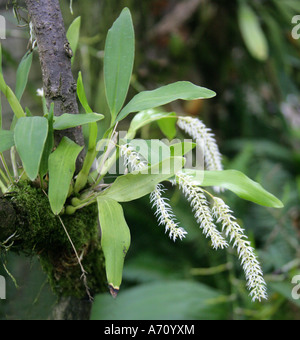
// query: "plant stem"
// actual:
[[89, 159], [13, 162], [11, 180]]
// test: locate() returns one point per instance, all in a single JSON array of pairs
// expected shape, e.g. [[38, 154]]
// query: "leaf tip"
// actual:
[[113, 290]]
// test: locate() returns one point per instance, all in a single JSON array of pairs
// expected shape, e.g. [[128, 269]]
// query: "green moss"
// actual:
[[41, 233]]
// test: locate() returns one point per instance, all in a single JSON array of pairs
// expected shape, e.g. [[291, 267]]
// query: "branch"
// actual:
[[54, 53]]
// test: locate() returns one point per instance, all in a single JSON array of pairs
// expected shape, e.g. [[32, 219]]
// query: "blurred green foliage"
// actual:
[[255, 117]]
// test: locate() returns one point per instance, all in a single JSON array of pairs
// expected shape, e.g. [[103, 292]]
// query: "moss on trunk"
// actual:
[[37, 231]]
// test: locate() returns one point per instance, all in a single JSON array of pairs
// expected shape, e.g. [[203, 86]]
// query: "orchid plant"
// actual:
[[32, 138]]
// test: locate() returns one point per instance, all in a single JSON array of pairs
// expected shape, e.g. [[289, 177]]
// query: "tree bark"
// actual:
[[59, 88], [55, 59]]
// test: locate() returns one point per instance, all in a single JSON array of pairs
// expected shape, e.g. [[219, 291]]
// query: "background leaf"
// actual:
[[165, 300], [22, 74], [73, 35], [62, 164], [166, 94], [115, 240], [118, 61], [252, 33], [30, 136]]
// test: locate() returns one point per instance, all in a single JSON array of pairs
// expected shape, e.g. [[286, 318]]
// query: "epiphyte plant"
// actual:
[[70, 191]]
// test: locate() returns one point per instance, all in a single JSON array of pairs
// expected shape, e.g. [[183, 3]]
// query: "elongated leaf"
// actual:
[[68, 120], [133, 186], [252, 33], [163, 300], [115, 240], [6, 140], [62, 164], [118, 61], [146, 117], [92, 132], [238, 183], [150, 99], [82, 95], [49, 143], [73, 35], [30, 137], [11, 98], [22, 74]]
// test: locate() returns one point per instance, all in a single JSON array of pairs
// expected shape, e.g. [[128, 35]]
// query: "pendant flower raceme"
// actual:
[[163, 212], [206, 216], [205, 139], [198, 201], [254, 275]]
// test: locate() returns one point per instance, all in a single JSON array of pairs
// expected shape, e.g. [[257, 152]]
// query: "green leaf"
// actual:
[[135, 185], [30, 136], [163, 300], [73, 35], [6, 140], [146, 117], [90, 134], [62, 163], [182, 148], [49, 143], [238, 183], [82, 95], [11, 98], [68, 120], [149, 99], [22, 74], [115, 240], [252, 33], [168, 126], [118, 61]]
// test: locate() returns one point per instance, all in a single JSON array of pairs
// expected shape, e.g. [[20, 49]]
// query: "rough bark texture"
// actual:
[[55, 58]]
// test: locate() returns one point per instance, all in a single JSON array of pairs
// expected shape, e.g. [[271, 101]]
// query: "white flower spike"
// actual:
[[251, 266], [165, 215], [205, 138], [163, 212], [195, 195]]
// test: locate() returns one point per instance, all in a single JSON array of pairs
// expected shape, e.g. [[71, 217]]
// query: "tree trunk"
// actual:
[[59, 88], [55, 58]]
